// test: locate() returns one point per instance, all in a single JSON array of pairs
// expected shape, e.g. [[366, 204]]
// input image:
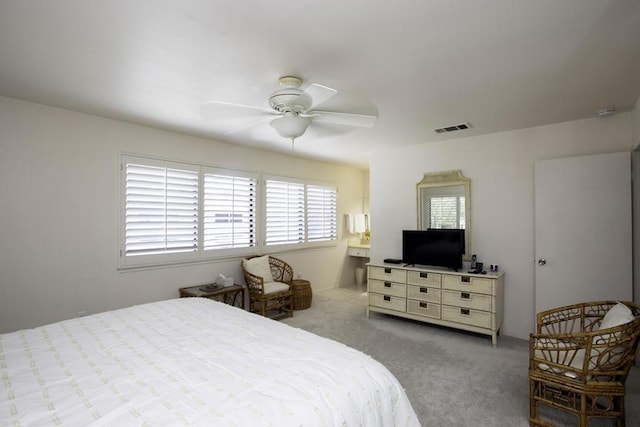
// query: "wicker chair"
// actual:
[[577, 363], [270, 298]]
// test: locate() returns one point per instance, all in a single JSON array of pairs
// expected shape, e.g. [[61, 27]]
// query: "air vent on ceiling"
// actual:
[[454, 128]]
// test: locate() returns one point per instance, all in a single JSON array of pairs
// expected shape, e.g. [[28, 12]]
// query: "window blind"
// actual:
[[161, 210], [175, 212], [285, 212], [229, 211], [446, 212], [321, 213]]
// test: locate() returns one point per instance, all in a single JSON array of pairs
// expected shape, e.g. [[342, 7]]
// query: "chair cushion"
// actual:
[[272, 287], [617, 315], [576, 363], [259, 266], [575, 355]]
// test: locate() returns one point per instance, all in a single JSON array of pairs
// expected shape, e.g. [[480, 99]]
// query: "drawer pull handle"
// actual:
[[423, 304], [423, 275], [386, 298], [424, 290], [387, 270], [465, 279], [464, 311], [465, 295], [387, 284]]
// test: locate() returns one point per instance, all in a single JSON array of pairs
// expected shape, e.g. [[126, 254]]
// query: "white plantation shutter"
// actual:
[[285, 212], [161, 209], [443, 212], [173, 213], [446, 211], [229, 211], [321, 213]]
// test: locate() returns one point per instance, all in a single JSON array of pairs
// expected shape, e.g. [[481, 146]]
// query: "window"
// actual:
[[285, 216], [322, 213], [161, 213], [298, 213], [179, 212], [229, 211], [446, 211]]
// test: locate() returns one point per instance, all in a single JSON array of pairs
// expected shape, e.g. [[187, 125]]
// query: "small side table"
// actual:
[[232, 295], [302, 294]]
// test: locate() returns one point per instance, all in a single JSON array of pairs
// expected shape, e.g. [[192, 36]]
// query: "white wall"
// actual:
[[636, 225], [501, 170], [59, 215], [635, 124]]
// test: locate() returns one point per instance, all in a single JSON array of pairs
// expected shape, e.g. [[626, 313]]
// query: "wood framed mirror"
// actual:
[[444, 201]]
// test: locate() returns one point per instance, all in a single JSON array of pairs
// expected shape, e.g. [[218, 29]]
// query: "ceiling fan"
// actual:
[[292, 110]]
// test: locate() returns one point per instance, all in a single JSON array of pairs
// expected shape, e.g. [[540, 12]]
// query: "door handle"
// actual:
[[542, 261]]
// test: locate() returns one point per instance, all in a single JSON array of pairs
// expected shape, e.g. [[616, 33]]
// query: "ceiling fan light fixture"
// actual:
[[291, 126]]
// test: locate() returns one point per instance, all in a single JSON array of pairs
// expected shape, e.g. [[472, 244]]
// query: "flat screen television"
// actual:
[[433, 247]]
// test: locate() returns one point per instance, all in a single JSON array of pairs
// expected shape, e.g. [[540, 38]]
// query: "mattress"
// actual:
[[191, 361]]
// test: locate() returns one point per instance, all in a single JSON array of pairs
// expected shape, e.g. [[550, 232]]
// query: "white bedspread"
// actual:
[[191, 361]]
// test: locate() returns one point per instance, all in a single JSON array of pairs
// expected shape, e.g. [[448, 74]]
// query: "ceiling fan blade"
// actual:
[[319, 93], [215, 110], [347, 119], [248, 125], [326, 130]]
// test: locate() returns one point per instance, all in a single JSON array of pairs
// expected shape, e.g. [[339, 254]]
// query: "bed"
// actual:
[[191, 361]]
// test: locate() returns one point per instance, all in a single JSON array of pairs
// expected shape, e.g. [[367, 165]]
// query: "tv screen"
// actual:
[[433, 247]]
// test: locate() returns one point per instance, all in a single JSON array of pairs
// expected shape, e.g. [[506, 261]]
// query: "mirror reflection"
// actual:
[[444, 202]]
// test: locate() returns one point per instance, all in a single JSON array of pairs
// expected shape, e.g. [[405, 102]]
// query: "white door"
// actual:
[[583, 230]]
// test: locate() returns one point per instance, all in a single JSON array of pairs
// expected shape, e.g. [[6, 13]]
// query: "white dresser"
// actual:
[[473, 302]]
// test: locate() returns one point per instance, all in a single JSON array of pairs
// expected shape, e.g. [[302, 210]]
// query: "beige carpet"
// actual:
[[452, 378]]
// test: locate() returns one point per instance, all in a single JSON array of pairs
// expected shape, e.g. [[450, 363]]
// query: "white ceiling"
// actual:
[[419, 64]]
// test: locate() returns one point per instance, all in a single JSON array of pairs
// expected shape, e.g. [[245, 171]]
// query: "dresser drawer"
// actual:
[[423, 308], [423, 293], [359, 252], [388, 302], [467, 300], [424, 278], [467, 316], [388, 288], [388, 273], [468, 284]]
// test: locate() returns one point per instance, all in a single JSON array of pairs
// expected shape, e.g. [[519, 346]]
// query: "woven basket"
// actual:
[[302, 294]]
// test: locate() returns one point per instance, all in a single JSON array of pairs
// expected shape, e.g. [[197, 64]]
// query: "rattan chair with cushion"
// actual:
[[269, 282], [579, 359]]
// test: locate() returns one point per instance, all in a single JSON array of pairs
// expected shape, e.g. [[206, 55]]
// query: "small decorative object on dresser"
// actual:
[[471, 302]]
